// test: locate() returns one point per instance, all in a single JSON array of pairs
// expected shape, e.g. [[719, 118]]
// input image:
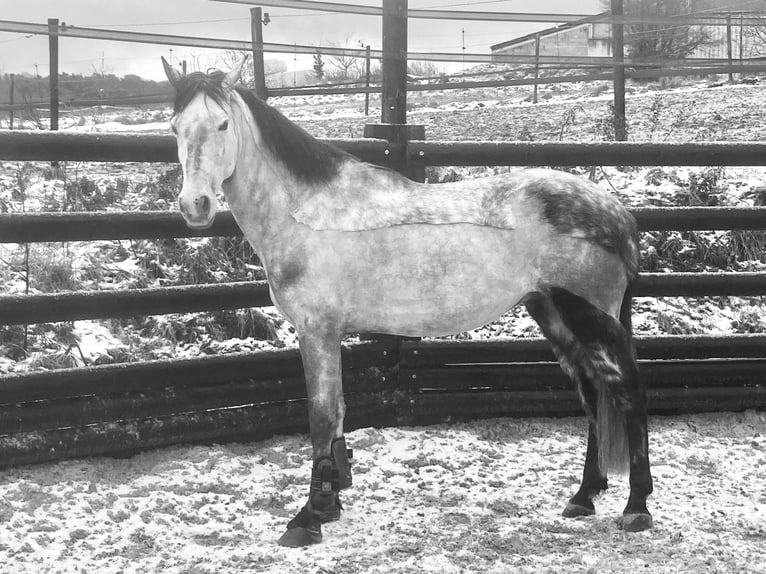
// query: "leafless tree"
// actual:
[[231, 58], [344, 67], [422, 68], [665, 41]]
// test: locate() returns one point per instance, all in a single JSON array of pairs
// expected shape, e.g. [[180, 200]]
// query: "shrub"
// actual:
[[749, 320], [84, 194]]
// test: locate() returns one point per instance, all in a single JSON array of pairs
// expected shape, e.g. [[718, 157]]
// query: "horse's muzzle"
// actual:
[[199, 211]]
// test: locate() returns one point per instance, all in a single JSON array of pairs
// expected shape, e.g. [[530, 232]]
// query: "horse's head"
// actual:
[[207, 140]]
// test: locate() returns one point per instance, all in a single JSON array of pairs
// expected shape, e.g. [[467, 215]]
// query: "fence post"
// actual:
[[367, 81], [537, 66], [259, 71], [619, 72], [728, 46], [394, 96], [10, 114], [393, 99], [393, 102], [53, 78]]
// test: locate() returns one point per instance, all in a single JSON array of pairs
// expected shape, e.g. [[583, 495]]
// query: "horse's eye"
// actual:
[[224, 126], [174, 129]]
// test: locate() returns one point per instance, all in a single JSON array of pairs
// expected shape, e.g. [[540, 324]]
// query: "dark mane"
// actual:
[[189, 86], [307, 158]]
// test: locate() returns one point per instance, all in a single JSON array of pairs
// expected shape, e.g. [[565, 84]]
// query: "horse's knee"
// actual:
[[326, 420]]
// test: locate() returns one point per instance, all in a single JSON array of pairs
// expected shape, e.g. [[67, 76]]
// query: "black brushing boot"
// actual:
[[328, 477]]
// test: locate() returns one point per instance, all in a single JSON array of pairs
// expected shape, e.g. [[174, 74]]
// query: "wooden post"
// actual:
[[741, 44], [367, 82], [53, 78], [728, 46], [537, 66], [620, 132], [394, 96], [10, 114], [259, 71], [393, 101]]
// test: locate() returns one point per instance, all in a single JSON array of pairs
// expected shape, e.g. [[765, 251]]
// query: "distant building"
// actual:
[[580, 38], [589, 38]]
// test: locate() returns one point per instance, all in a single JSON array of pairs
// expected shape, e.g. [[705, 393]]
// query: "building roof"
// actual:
[[732, 7], [547, 31]]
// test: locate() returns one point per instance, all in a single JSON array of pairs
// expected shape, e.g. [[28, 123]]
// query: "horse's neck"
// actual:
[[257, 191]]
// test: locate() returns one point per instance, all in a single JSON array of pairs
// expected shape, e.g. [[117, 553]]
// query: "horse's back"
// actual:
[[366, 197]]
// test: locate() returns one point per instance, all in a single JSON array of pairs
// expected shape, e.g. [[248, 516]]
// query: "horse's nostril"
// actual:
[[204, 204]]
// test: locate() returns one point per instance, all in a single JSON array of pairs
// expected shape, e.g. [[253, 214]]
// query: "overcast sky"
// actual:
[[205, 18]]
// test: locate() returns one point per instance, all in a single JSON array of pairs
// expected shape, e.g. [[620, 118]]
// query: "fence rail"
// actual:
[[83, 305], [124, 408], [30, 145], [455, 82], [92, 226]]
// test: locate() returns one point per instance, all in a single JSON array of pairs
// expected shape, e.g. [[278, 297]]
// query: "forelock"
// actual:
[[189, 86]]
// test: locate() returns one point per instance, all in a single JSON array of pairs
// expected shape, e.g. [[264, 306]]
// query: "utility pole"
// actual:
[[462, 32]]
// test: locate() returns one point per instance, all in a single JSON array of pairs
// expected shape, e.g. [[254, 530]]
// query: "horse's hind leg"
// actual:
[[593, 480], [596, 351], [331, 470]]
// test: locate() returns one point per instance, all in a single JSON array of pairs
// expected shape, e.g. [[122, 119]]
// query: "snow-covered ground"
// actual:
[[481, 497]]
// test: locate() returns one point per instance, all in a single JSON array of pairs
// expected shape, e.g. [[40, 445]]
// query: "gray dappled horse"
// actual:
[[352, 247]]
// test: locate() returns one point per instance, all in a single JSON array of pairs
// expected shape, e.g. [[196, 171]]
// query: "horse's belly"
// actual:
[[436, 280]]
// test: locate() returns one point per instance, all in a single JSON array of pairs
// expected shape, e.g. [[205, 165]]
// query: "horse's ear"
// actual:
[[232, 77], [174, 76]]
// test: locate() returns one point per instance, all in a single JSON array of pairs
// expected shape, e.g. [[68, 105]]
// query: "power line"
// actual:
[[16, 39], [179, 22], [468, 4]]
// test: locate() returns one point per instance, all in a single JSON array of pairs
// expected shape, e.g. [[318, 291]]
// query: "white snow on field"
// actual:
[[465, 498], [116, 127]]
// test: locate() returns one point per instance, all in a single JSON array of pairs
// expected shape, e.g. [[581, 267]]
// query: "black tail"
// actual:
[[596, 351], [612, 422]]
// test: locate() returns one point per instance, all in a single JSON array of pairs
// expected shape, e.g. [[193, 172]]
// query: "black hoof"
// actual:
[[636, 522], [300, 536], [574, 510], [306, 528]]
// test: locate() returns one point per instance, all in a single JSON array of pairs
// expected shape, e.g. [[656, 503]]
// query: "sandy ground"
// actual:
[[473, 497]]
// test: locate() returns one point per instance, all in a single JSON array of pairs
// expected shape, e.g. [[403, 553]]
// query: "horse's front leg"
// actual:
[[331, 471]]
